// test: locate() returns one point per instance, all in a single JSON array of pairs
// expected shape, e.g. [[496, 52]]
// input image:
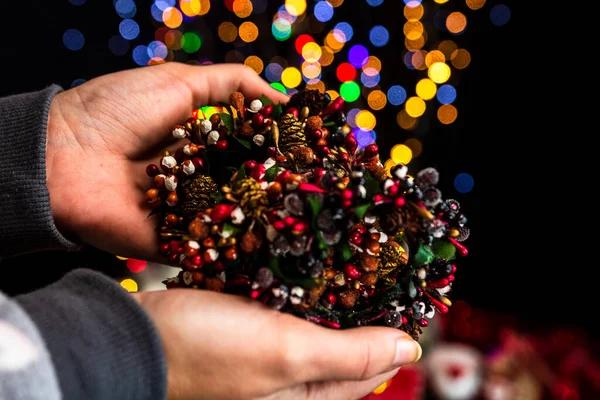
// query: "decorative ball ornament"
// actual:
[[284, 207]]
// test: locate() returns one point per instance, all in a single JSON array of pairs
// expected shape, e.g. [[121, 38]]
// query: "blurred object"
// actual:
[[408, 384], [454, 371]]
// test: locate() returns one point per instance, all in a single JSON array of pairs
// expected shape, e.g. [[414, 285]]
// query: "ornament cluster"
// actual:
[[280, 204]]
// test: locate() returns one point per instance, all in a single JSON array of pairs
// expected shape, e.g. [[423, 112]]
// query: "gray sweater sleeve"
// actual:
[[26, 221]]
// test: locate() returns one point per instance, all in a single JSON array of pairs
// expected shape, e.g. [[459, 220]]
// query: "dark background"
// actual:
[[508, 269]]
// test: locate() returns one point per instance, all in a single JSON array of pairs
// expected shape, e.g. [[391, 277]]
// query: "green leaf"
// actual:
[[228, 121], [423, 257], [345, 250], [373, 187], [322, 244], [274, 266], [315, 205], [265, 100], [443, 249], [216, 196], [360, 211], [306, 283], [271, 173], [412, 290], [244, 142], [241, 174], [231, 229], [277, 111]]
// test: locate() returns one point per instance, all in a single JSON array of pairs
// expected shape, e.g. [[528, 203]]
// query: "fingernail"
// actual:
[[407, 352]]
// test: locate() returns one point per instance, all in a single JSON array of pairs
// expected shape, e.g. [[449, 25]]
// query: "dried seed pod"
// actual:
[[198, 229]]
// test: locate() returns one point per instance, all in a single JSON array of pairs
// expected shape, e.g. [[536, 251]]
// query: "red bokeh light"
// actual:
[[301, 41], [345, 72]]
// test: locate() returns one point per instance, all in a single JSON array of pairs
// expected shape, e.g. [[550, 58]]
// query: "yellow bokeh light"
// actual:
[[365, 120], [441, 1], [413, 12], [447, 114], [333, 94], [416, 44], [389, 163], [227, 32], [401, 154], [475, 4], [433, 57], [415, 107], [326, 56], [311, 52], [374, 63], [415, 146], [405, 121], [335, 3], [204, 7], [461, 58], [295, 7], [320, 86], [242, 8], [333, 43], [456, 22], [447, 47], [439, 72], [291, 77], [248, 32], [255, 63], [311, 70], [130, 285], [381, 388], [190, 8], [426, 89], [172, 17], [413, 29], [377, 100], [122, 258]]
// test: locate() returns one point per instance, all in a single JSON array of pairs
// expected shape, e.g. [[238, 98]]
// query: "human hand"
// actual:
[[221, 346], [102, 135]]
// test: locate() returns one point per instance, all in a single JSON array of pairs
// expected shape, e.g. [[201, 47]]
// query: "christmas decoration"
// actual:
[[280, 204]]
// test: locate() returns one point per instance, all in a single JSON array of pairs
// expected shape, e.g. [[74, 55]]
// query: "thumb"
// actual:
[[353, 354]]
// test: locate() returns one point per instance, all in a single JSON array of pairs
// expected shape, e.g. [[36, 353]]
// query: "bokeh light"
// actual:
[[281, 29], [336, 3], [447, 114], [311, 52], [365, 120], [439, 72], [118, 45], [157, 50], [396, 95], [326, 56], [500, 14], [405, 121], [73, 39], [323, 11], [377, 100], [370, 77], [248, 32], [358, 55], [279, 86], [364, 138], [140, 55], [475, 4], [413, 11], [130, 285], [295, 7], [415, 146], [129, 29], [301, 41], [77, 2], [374, 63], [255, 63], [447, 47], [351, 117], [77, 82], [136, 266], [190, 8], [415, 107], [350, 91], [461, 58], [456, 22], [125, 8], [191, 42], [242, 8], [273, 72], [291, 77], [374, 3], [433, 57], [227, 32], [464, 182], [344, 30], [446, 94], [413, 29], [381, 388], [401, 154], [426, 89], [379, 36], [172, 17]]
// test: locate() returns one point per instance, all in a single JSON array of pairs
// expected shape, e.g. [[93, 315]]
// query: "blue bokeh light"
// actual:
[[374, 3], [346, 30], [464, 182], [157, 49], [125, 8], [351, 117], [369, 80], [323, 11], [379, 36], [164, 4], [156, 12], [129, 29], [118, 45], [446, 94], [140, 55], [408, 56], [364, 138], [77, 82], [73, 39], [396, 95], [273, 72], [77, 2], [358, 56], [500, 14]]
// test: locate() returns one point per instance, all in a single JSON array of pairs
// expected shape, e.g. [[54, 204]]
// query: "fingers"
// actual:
[[211, 84], [353, 354], [348, 390]]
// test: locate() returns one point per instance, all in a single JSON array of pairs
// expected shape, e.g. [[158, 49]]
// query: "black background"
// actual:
[[508, 270]]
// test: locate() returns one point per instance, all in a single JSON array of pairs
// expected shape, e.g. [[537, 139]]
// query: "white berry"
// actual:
[[256, 106], [205, 126], [179, 133], [213, 138], [188, 167], [258, 140], [169, 162], [237, 216], [171, 183]]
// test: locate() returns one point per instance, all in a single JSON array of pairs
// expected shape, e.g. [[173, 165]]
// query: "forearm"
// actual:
[[27, 220], [101, 341]]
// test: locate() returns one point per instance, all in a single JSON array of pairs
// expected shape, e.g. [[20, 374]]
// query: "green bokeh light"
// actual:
[[350, 91], [191, 42], [279, 86]]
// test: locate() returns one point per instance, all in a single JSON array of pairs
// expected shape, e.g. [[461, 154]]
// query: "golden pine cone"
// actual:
[[196, 195], [291, 133]]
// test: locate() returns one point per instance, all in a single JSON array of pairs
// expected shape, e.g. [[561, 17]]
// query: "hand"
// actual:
[[103, 134], [221, 346]]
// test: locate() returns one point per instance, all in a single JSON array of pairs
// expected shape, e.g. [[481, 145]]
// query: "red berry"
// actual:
[[283, 176], [346, 203], [198, 162], [173, 257], [250, 164], [279, 225], [344, 157], [174, 246], [331, 298], [267, 110], [323, 151], [221, 212], [191, 120], [399, 202], [347, 194], [164, 248], [271, 152], [197, 260], [152, 170], [218, 266], [293, 111], [316, 135], [393, 191], [356, 238], [289, 221], [351, 272], [350, 143], [371, 150], [222, 144], [258, 120], [299, 227]]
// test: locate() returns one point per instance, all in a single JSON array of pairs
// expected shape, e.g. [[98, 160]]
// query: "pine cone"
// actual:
[[196, 195], [311, 98], [252, 199], [391, 257], [291, 134]]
